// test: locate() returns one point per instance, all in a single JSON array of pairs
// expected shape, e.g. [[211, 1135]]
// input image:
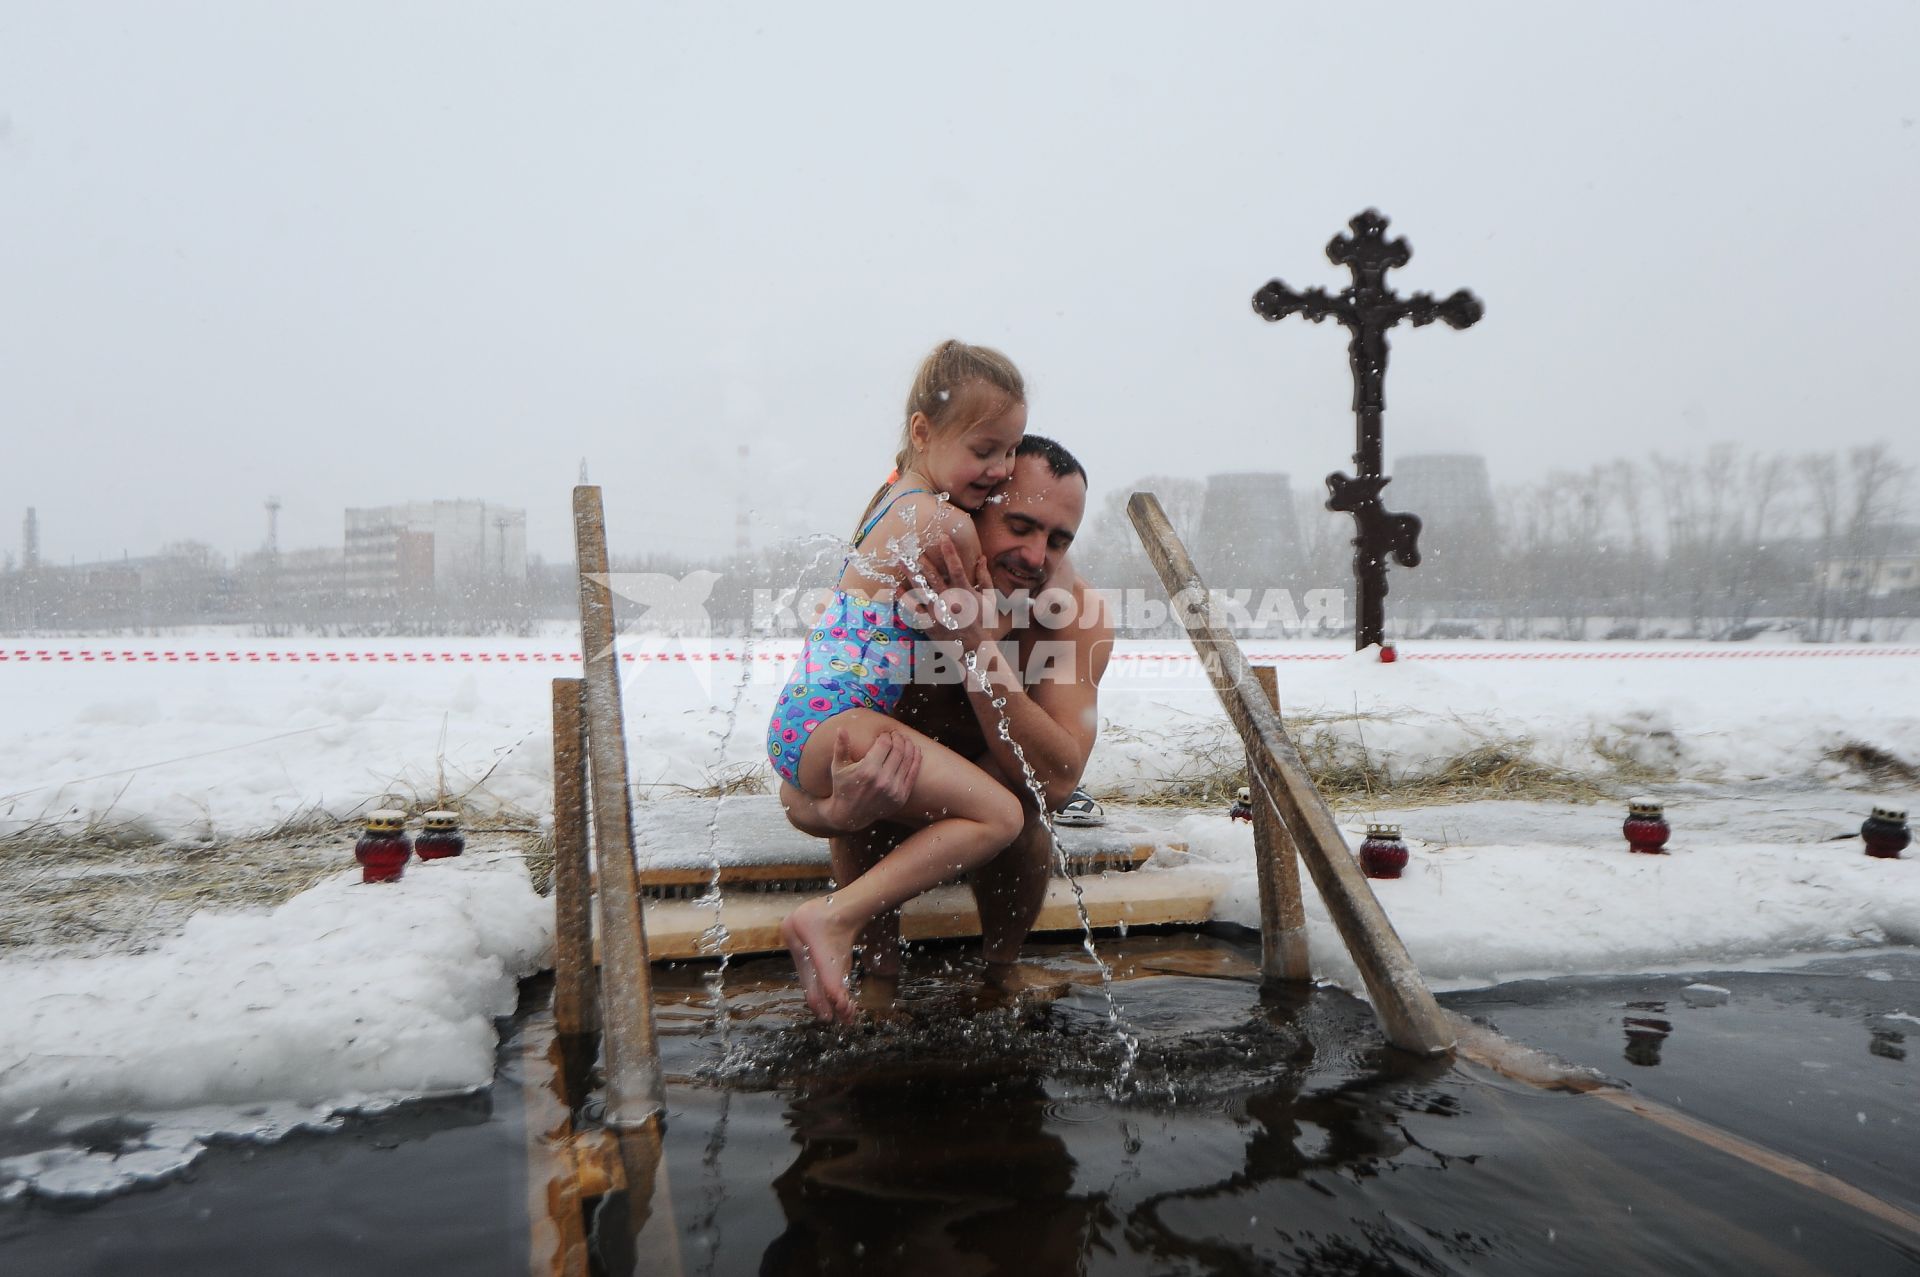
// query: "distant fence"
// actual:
[[783, 651]]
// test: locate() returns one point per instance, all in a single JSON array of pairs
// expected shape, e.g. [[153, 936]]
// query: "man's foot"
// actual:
[[822, 961], [1080, 811], [1014, 982], [878, 994]]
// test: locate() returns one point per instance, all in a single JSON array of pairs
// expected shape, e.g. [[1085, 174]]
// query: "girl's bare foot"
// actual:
[[822, 958]]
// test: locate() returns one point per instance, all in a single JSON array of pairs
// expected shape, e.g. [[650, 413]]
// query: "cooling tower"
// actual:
[[1248, 537], [1459, 535], [1451, 494]]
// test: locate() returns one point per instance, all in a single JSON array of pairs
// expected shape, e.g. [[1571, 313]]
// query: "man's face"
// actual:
[[1026, 528]]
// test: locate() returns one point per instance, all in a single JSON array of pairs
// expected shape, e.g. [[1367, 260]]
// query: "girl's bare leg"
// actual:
[[852, 855], [968, 817]]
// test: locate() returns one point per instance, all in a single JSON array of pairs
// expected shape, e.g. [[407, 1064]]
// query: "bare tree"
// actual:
[[1876, 498], [1627, 489], [1820, 481]]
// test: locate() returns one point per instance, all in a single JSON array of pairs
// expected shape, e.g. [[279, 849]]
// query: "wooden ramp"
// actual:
[[680, 839], [1143, 898], [764, 868]]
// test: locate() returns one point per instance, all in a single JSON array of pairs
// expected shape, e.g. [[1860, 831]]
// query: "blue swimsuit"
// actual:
[[858, 656]]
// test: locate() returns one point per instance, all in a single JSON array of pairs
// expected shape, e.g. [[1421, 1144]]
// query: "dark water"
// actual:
[[1821, 1063], [440, 1186], [1250, 1137], [1303, 1146]]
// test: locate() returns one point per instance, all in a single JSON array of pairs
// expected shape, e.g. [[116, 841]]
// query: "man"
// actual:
[[1043, 676]]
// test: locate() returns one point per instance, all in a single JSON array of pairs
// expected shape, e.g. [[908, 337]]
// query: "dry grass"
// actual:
[[731, 780], [117, 887], [84, 889], [539, 854], [1346, 772], [1627, 768], [1875, 763]]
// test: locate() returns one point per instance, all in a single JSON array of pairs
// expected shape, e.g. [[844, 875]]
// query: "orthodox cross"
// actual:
[[1368, 308]]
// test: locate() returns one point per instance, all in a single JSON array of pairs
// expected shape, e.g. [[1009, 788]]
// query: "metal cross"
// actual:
[[1368, 308]]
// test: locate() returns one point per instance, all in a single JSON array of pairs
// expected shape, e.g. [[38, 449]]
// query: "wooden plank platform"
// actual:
[[679, 836], [1141, 898], [786, 873]]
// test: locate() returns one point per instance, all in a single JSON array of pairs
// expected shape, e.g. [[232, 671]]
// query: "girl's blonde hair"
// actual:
[[948, 369]]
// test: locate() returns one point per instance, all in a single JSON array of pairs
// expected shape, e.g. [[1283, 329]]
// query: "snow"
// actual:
[[348, 997], [1482, 914], [254, 731]]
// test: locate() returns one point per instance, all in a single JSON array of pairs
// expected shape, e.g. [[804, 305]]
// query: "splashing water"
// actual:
[[1199, 1040], [1129, 1041], [713, 940], [907, 553]]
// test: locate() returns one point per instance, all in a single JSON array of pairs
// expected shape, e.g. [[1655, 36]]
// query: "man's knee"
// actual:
[[1017, 785], [1031, 851]]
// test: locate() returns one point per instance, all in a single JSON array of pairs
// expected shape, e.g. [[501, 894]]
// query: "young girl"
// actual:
[[965, 416]]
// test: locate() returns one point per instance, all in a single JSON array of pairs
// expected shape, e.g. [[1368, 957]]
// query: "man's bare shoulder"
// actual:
[[1096, 608], [1097, 626], [1076, 623]]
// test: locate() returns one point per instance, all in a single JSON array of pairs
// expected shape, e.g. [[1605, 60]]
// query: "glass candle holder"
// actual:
[[383, 849]]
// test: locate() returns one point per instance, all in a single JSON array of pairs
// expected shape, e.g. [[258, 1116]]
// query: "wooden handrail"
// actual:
[[1283, 917], [1412, 1019], [576, 993], [636, 1091]]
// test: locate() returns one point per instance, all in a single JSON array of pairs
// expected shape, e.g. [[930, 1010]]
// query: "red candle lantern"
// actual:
[[383, 850], [1886, 833], [441, 837], [1646, 827], [1383, 855]]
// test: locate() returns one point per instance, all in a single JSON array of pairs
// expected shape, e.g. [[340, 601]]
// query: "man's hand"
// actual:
[[869, 790], [966, 596]]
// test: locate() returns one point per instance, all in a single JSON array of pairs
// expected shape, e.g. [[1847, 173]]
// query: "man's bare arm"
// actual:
[[1055, 722]]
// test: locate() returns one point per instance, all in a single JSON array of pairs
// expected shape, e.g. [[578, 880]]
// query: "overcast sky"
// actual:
[[356, 253]]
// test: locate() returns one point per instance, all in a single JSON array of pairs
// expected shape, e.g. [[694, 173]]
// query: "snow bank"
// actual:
[[1480, 915], [346, 997], [239, 743], [1701, 711]]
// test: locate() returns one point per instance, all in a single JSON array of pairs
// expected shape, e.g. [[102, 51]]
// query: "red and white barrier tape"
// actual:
[[216, 656]]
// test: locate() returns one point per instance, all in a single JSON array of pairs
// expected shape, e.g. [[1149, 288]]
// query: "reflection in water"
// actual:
[[929, 1175], [960, 1164], [614, 1193], [1887, 1043], [1353, 1129], [1645, 1036]]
